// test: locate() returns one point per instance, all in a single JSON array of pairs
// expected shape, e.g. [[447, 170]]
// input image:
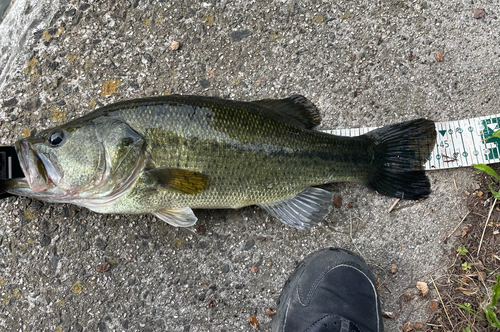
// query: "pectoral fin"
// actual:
[[182, 180], [183, 217], [304, 210]]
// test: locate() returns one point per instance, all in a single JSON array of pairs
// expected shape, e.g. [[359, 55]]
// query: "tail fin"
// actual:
[[401, 150]]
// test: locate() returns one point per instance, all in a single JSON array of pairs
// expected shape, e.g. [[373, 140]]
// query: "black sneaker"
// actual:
[[331, 290]]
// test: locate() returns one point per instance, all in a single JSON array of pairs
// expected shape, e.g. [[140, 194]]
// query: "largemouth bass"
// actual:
[[166, 155]]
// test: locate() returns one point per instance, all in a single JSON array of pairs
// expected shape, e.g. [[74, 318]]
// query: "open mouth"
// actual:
[[33, 166]]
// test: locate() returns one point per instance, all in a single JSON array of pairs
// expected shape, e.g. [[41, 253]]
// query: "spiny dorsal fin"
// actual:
[[296, 107], [182, 180]]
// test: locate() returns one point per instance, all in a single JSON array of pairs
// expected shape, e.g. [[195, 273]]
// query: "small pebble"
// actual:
[[479, 13], [249, 244], [103, 267], [45, 240], [175, 45]]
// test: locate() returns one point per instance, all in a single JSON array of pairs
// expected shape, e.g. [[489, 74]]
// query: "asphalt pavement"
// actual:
[[363, 63]]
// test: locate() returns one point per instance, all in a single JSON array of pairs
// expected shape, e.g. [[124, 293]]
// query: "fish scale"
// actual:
[[222, 134]]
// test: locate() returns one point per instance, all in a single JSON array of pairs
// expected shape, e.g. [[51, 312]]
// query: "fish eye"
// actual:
[[56, 137]]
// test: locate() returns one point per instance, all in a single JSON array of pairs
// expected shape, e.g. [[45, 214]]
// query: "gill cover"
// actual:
[[79, 161]]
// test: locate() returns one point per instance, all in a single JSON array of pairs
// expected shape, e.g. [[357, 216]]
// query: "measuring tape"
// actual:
[[459, 143]]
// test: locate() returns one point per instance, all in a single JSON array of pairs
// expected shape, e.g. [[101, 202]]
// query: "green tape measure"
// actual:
[[459, 143]]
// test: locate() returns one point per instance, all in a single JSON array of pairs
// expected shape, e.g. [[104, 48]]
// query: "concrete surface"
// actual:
[[351, 58], [4, 5]]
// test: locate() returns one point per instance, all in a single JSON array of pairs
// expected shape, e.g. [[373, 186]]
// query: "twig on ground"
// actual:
[[386, 287], [453, 231], [393, 205], [350, 235], [434, 270], [413, 309], [486, 224], [466, 318], [455, 182], [442, 303], [494, 271], [453, 264]]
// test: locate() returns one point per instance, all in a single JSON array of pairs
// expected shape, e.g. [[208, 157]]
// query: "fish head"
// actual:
[[79, 160]]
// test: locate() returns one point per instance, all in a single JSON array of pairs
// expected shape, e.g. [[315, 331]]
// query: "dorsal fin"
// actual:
[[298, 109]]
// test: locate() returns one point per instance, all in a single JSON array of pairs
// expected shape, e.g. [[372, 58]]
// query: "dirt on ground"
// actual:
[[474, 264]]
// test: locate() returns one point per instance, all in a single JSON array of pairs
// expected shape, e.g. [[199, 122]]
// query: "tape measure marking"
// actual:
[[459, 143]]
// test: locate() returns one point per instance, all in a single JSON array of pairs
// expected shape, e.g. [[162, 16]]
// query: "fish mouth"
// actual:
[[37, 168]]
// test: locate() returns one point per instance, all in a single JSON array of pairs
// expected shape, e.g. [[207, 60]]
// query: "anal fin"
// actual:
[[183, 217], [304, 210]]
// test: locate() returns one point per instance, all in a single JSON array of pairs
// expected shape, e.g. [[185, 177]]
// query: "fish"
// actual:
[[170, 154]]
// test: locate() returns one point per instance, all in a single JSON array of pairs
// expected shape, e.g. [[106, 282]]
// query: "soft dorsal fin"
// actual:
[[296, 108], [182, 180]]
